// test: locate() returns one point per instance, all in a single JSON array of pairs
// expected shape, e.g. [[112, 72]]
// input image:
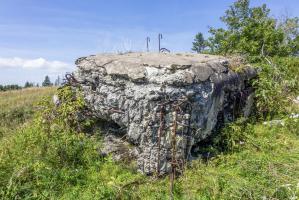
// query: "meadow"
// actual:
[[253, 160], [17, 107]]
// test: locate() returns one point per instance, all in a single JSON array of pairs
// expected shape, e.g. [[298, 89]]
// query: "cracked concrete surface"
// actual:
[[132, 89]]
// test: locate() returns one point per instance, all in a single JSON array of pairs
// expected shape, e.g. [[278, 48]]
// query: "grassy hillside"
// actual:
[[44, 161], [17, 107]]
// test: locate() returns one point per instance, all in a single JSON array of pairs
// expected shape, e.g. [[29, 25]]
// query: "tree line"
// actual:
[[46, 83]]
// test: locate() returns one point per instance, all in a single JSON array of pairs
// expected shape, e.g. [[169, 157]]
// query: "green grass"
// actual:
[[263, 163], [17, 107]]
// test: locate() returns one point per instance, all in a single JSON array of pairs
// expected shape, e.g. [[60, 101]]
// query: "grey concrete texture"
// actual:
[[143, 92]]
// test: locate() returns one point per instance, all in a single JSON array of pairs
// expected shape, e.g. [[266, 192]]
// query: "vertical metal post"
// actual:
[[159, 38], [147, 42]]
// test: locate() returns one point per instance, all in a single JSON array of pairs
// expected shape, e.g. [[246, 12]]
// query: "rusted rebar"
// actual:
[[173, 147], [160, 131]]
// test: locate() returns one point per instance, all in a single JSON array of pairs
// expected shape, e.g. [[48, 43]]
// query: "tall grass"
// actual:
[[17, 106]]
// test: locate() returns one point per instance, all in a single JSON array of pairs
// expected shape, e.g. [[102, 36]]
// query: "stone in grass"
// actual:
[[140, 92]]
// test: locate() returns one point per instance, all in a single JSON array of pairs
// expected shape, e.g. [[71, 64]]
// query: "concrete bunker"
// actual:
[[166, 103]]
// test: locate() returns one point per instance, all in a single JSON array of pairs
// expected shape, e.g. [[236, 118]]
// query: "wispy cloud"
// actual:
[[38, 63]]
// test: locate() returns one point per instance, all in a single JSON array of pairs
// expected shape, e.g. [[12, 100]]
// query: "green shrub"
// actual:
[[66, 114], [277, 85]]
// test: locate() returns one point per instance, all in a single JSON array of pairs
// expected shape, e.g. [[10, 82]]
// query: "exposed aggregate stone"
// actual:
[[131, 89]]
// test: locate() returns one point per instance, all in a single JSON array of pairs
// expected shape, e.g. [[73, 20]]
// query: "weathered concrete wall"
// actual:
[[144, 92]]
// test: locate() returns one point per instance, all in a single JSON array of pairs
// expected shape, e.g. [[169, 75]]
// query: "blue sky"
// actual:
[[40, 37]]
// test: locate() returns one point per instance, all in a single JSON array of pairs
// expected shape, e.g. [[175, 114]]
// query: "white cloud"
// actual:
[[39, 63]]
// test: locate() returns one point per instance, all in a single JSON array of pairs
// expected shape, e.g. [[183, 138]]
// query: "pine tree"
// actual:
[[199, 43], [28, 84], [47, 82]]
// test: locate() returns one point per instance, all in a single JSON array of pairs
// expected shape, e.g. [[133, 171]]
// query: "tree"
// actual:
[[290, 27], [251, 31], [199, 43], [10, 87], [28, 84], [47, 82]]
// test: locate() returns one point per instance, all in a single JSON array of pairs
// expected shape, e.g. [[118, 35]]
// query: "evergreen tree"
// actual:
[[47, 82], [28, 84], [199, 43], [10, 87]]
